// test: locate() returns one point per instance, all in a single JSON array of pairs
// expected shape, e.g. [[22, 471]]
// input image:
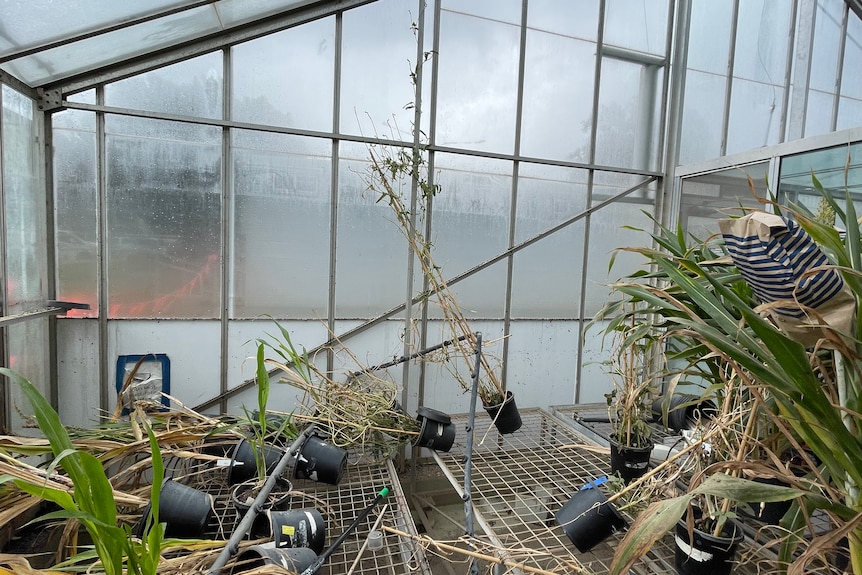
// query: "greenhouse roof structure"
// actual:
[[44, 42]]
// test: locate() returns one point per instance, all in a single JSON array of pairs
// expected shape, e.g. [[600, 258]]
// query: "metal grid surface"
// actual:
[[579, 416], [340, 505], [520, 480]]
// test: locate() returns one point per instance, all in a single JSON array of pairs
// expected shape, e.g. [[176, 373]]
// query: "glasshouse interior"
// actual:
[[431, 286]]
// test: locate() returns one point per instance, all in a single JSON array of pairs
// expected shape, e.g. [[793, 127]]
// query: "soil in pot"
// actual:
[[701, 553], [505, 416], [437, 431], [243, 495], [629, 462], [588, 518]]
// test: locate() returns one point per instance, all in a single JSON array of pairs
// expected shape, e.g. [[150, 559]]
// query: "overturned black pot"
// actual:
[[184, 510], [505, 415], [588, 518], [295, 560], [320, 461], [437, 431], [243, 465], [683, 410], [292, 528], [701, 553], [628, 461]]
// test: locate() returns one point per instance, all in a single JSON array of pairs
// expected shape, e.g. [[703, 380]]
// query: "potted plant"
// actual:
[[630, 402], [809, 391], [265, 455], [408, 163]]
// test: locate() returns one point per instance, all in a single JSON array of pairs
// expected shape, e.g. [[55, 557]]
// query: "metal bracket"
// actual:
[[49, 100]]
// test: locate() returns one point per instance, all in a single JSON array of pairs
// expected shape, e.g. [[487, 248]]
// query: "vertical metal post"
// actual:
[[468, 457]]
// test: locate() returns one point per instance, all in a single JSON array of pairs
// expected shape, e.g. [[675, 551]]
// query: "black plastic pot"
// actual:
[[505, 415], [243, 465], [292, 528], [588, 518], [629, 462], [186, 511], [702, 553], [437, 431], [683, 411], [771, 512], [295, 560], [243, 495], [320, 461]]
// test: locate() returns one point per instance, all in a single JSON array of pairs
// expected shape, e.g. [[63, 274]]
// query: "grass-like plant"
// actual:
[[92, 501], [812, 402]]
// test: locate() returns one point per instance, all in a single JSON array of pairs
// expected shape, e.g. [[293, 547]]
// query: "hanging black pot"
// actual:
[[700, 553], [292, 528], [505, 415], [683, 410], [588, 518], [627, 461], [320, 461], [243, 495], [437, 431], [186, 511], [243, 465], [295, 560]]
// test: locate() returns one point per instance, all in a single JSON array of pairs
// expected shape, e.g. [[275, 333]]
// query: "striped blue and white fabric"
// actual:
[[774, 255]]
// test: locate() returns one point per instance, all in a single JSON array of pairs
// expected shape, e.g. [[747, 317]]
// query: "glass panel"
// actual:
[[78, 361], [546, 280], [709, 37], [92, 53], [25, 248], [755, 110], [24, 208], [702, 117], [76, 210], [851, 79], [281, 237], [233, 12], [637, 24], [627, 133], [710, 197], [286, 79], [164, 218], [378, 56], [470, 225], [818, 115], [849, 113], [371, 262], [478, 83], [85, 97], [564, 18], [557, 107], [618, 224], [761, 41], [828, 166], [508, 11], [191, 88], [827, 39]]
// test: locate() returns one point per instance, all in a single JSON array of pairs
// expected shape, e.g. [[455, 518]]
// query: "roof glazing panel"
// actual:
[[42, 41]]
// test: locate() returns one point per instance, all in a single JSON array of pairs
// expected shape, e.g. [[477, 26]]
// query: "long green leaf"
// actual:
[[649, 527]]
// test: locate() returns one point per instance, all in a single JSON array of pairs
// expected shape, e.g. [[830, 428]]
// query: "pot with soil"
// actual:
[[505, 414], [588, 518], [292, 528], [630, 461], [243, 495], [243, 465], [294, 560], [703, 553], [320, 461]]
